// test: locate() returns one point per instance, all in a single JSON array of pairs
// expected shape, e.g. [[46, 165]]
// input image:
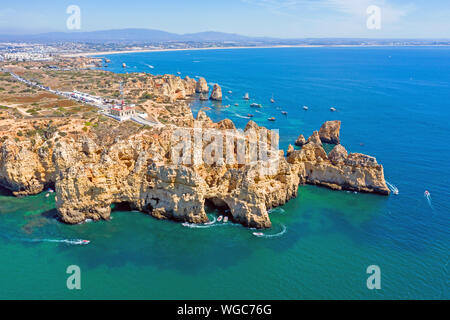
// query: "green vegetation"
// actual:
[[146, 96]]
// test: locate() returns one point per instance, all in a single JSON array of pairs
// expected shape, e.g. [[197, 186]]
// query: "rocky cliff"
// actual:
[[216, 93], [139, 169], [202, 86]]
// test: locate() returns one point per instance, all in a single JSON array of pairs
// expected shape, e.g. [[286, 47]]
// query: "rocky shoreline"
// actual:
[[90, 176]]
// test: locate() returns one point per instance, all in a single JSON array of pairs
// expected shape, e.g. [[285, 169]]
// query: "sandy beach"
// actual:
[[105, 53], [87, 54]]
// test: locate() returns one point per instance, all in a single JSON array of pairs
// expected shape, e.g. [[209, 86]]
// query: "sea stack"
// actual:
[[216, 93], [330, 132], [315, 138], [202, 86], [301, 141]]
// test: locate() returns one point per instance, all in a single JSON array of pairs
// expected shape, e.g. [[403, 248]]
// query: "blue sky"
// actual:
[[276, 18]]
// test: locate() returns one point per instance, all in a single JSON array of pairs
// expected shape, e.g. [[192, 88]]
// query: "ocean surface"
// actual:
[[394, 104]]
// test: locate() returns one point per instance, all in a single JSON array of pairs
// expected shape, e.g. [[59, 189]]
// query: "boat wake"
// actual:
[[427, 196], [201, 226], [270, 236], [75, 242], [393, 188], [240, 116], [277, 210]]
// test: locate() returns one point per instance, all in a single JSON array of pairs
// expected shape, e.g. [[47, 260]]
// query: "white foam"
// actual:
[[77, 242], [269, 236], [393, 188], [277, 210]]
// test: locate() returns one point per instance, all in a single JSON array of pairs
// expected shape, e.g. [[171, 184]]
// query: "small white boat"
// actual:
[[219, 219], [246, 96], [305, 108], [47, 195], [225, 220], [258, 234], [333, 109], [230, 92], [427, 193]]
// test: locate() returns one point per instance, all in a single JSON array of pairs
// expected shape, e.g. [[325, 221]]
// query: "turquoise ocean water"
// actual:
[[394, 104]]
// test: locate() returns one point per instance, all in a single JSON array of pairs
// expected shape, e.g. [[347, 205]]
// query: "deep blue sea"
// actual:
[[394, 104]]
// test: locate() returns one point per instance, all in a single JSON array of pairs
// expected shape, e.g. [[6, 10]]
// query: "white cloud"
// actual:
[[355, 8]]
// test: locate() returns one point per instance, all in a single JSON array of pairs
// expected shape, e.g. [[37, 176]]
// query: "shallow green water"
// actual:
[[323, 254]]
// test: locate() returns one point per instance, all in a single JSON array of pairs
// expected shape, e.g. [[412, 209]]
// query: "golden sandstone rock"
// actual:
[[216, 93], [138, 171], [92, 170], [330, 132], [202, 86]]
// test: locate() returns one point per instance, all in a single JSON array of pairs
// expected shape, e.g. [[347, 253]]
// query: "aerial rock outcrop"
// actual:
[[202, 86], [300, 141], [315, 138], [216, 94], [190, 86], [140, 170], [338, 155], [330, 132], [339, 171]]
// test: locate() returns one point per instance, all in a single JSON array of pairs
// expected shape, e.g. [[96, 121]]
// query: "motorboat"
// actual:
[[256, 105], [305, 108], [220, 219], [225, 220], [333, 109], [250, 115], [258, 234], [272, 119], [284, 113], [427, 193]]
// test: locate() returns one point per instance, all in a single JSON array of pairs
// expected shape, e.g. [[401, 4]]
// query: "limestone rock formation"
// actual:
[[338, 154], [216, 94], [355, 172], [300, 141], [190, 86], [290, 150], [330, 132], [139, 170], [315, 138], [202, 86]]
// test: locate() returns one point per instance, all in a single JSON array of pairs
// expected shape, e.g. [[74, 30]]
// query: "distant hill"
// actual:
[[125, 35], [140, 36]]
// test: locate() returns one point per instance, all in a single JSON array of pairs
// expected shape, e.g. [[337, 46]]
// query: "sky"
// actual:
[[271, 18]]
